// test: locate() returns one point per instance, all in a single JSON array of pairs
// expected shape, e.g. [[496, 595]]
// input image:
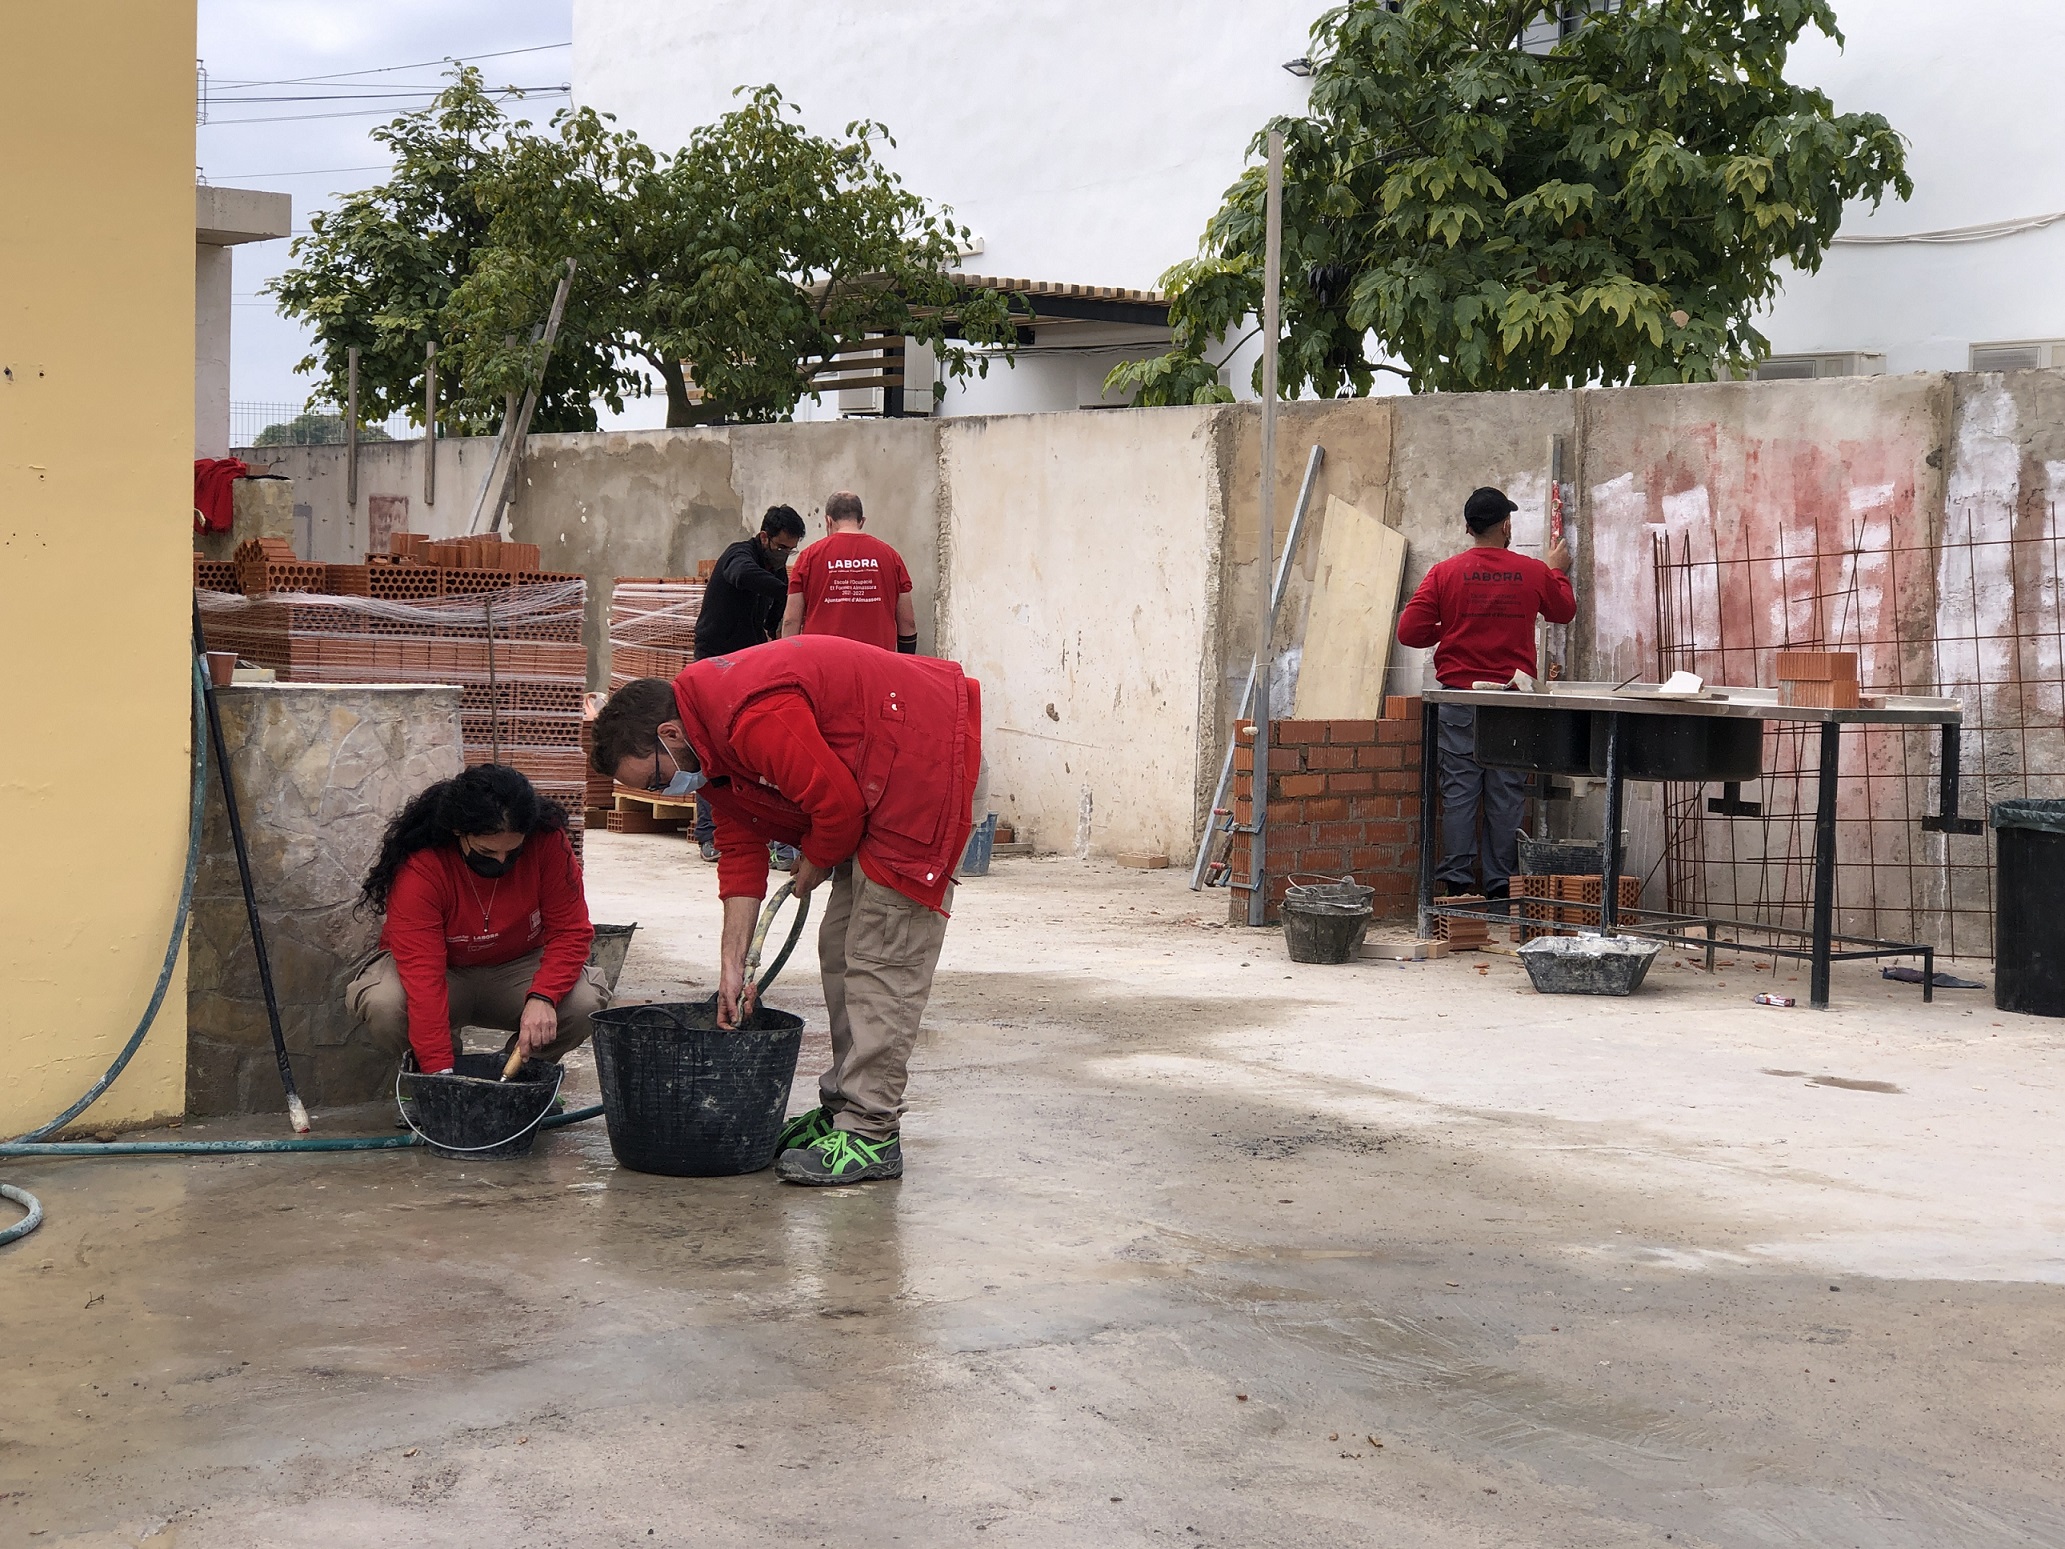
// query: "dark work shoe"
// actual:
[[709, 849], [805, 1129], [842, 1157]]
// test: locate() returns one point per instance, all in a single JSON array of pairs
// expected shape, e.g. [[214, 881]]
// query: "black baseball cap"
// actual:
[[1486, 508]]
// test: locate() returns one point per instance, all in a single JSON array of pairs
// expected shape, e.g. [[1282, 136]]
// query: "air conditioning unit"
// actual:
[[2020, 355], [1799, 368]]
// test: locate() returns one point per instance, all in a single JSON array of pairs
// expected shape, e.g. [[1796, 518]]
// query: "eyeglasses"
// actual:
[[658, 782]]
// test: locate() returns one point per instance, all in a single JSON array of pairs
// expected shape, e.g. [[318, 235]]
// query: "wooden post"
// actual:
[[430, 423], [351, 426], [495, 493], [1265, 644]]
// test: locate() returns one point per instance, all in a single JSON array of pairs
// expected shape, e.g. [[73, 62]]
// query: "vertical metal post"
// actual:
[[1430, 758], [1265, 646], [351, 426], [430, 423], [1609, 877], [1824, 862]]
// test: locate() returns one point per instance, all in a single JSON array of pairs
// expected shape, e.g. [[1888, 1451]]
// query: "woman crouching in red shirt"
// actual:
[[485, 925]]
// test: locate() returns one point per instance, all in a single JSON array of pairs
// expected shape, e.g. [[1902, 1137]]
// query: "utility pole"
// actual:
[[430, 423], [351, 427], [1265, 644]]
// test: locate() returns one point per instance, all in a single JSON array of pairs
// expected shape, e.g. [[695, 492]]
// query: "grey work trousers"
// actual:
[[489, 996], [1468, 788], [878, 951]]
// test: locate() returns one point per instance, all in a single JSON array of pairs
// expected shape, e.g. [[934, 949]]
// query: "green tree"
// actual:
[[1615, 210], [318, 427], [738, 264]]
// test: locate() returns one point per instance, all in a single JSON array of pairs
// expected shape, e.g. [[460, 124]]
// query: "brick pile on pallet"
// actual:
[[215, 575], [1343, 801], [652, 626], [509, 638]]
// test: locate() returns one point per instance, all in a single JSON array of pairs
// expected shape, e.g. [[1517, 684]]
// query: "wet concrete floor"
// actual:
[[1196, 1247]]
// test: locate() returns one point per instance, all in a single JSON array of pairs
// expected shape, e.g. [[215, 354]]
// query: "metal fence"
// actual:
[[300, 424]]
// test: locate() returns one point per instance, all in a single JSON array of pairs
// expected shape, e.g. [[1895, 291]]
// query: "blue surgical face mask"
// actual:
[[684, 782]]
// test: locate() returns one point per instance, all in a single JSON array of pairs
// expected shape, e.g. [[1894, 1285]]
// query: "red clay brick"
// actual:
[[1305, 785], [1398, 731], [1318, 862], [1297, 731], [1326, 809], [1402, 707], [1244, 784], [1410, 809], [1351, 731], [1332, 758], [1400, 780], [1243, 731], [1243, 810], [1356, 783], [1340, 833], [1380, 756], [1393, 831]]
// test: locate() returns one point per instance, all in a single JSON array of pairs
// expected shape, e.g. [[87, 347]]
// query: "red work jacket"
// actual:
[[906, 729]]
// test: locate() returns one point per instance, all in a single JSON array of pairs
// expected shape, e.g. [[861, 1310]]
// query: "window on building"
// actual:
[[1797, 368], [2018, 355]]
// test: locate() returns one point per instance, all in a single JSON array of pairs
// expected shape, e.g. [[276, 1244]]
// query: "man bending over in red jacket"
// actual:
[[870, 763], [1477, 610]]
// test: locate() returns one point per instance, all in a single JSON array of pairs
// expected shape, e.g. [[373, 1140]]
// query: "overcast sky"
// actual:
[[292, 90]]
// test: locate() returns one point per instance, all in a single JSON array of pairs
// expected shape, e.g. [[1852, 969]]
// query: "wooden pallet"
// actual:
[[642, 812]]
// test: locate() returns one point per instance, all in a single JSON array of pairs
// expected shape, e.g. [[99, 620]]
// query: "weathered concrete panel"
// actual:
[[1083, 549]]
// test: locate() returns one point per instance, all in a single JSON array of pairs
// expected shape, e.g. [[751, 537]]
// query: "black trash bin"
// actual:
[[2029, 907]]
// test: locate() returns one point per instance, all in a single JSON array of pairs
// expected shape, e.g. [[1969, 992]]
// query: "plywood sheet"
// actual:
[[1353, 610]]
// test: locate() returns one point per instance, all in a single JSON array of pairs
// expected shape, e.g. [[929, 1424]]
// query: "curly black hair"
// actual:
[[486, 799]]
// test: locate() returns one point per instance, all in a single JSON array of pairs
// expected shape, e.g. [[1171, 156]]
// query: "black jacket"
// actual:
[[742, 606]]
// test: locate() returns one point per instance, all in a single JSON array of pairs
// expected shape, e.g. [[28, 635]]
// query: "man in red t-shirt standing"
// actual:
[[1477, 610], [849, 584]]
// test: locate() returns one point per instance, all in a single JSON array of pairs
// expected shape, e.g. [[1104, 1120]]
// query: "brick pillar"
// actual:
[[1344, 801]]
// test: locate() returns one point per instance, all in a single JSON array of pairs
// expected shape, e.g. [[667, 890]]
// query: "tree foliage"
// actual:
[[1614, 210], [727, 271], [315, 428]]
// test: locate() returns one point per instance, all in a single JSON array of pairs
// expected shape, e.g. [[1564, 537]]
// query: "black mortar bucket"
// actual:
[[472, 1113], [612, 943], [689, 1099], [1324, 922]]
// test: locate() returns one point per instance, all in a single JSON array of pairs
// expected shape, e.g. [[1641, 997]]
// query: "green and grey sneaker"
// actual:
[[842, 1157], [804, 1129]]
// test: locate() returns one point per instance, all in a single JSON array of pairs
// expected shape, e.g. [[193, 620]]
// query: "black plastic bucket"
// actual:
[[472, 1113], [2029, 907], [1325, 922], [1561, 858], [689, 1099]]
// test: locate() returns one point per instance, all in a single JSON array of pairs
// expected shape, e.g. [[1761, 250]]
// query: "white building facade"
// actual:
[[1089, 143]]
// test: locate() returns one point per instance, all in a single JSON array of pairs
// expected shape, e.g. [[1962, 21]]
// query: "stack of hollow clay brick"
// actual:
[[1818, 680], [510, 640], [215, 575], [268, 565], [1546, 902], [1343, 801], [652, 627]]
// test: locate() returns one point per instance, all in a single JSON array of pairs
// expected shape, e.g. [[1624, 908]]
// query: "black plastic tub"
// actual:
[[1588, 964], [1562, 857], [1324, 922], [472, 1114], [688, 1099]]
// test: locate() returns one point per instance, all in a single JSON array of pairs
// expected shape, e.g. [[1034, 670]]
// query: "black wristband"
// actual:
[[907, 645], [541, 995]]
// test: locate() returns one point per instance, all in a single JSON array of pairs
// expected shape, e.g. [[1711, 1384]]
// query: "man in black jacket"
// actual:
[[742, 607]]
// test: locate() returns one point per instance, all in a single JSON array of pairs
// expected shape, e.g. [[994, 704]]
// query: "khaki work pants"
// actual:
[[878, 951], [491, 996]]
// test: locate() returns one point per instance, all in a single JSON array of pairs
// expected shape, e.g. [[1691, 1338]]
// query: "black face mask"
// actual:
[[487, 865]]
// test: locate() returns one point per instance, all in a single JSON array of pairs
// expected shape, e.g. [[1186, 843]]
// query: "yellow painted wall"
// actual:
[[96, 479]]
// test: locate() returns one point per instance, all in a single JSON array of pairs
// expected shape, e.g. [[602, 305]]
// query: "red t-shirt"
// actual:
[[1477, 609], [849, 584], [434, 922]]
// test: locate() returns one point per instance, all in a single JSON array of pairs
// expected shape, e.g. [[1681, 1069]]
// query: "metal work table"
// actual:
[[1618, 733]]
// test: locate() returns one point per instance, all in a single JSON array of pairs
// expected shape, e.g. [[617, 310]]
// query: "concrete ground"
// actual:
[[1196, 1247]]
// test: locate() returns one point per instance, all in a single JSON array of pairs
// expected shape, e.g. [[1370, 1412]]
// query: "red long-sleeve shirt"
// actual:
[[441, 915], [779, 735], [1477, 609]]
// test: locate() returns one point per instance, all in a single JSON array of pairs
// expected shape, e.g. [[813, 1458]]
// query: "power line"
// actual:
[[421, 64], [381, 166], [386, 94], [294, 118]]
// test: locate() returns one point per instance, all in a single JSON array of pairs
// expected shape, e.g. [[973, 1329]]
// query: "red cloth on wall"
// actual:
[[213, 476], [849, 583], [434, 922]]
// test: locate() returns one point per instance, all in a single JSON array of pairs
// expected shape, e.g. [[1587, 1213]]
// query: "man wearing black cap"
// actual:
[[1477, 610]]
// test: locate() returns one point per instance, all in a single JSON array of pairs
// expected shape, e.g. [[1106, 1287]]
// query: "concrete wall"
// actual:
[[212, 315], [96, 275], [1082, 555]]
